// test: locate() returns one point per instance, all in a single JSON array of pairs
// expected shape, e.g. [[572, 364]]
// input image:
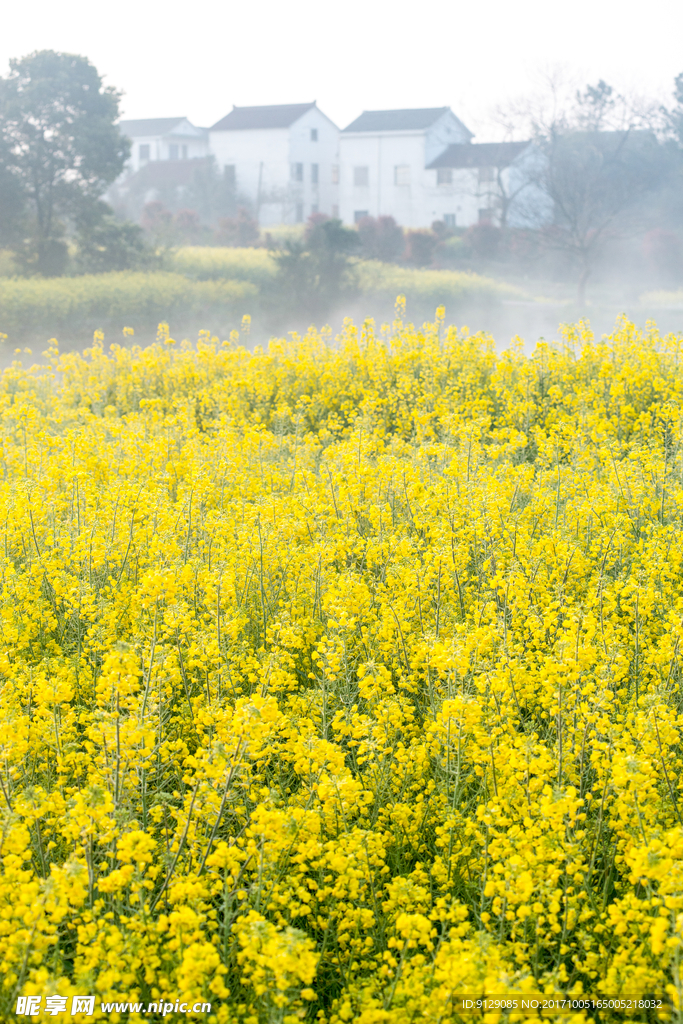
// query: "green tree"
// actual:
[[61, 147], [105, 243], [12, 209], [315, 274]]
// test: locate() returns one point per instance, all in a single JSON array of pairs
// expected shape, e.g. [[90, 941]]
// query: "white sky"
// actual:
[[197, 58]]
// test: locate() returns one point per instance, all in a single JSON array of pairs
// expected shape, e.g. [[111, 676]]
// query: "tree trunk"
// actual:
[[581, 290]]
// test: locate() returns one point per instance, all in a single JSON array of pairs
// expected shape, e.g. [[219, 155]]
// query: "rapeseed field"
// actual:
[[342, 680]]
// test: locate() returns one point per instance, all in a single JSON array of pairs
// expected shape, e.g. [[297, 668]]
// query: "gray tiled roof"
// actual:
[[162, 173], [278, 116], [479, 154], [396, 120], [149, 126]]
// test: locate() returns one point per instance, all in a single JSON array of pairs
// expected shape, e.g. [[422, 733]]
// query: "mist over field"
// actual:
[[575, 210]]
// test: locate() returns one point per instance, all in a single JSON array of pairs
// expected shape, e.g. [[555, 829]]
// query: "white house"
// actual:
[[283, 159], [385, 156], [163, 138], [485, 181]]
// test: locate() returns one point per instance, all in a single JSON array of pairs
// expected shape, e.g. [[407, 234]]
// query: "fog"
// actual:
[[169, 61]]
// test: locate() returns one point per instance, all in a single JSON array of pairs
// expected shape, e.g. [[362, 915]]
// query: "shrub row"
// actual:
[[210, 288]]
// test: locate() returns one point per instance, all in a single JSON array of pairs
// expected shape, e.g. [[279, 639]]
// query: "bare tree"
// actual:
[[514, 185], [601, 157], [674, 118], [596, 181]]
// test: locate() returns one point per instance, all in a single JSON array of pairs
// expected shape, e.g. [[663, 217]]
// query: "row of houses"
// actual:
[[289, 161]]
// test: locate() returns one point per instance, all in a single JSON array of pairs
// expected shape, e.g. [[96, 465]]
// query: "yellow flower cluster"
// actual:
[[343, 681]]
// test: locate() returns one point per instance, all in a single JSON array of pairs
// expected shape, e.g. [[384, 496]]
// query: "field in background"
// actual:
[[7, 264], [77, 306], [211, 263], [214, 288]]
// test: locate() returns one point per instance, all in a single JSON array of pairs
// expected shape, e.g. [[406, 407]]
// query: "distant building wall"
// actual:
[[286, 174], [398, 181], [165, 148], [163, 139], [320, 159], [454, 198], [258, 161], [495, 182], [416, 165]]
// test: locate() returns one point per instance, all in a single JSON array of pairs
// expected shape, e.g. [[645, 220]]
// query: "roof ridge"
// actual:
[[398, 119], [270, 106], [263, 115]]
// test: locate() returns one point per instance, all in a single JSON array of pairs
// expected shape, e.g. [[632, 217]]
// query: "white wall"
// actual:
[[381, 153], [260, 157], [443, 133], [413, 204], [195, 141], [322, 197], [263, 159], [464, 197], [467, 197]]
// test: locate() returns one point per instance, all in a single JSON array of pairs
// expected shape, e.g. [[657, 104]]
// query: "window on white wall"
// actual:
[[335, 174], [444, 176], [297, 172], [358, 215], [173, 152], [361, 177], [299, 212], [449, 220], [314, 208], [229, 174], [184, 152], [402, 174], [144, 153], [314, 174], [335, 210], [487, 174], [314, 134]]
